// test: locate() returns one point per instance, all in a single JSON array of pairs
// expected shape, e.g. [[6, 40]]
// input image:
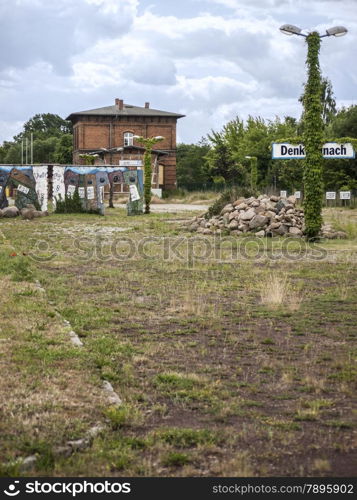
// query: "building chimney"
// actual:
[[147, 105], [119, 103]]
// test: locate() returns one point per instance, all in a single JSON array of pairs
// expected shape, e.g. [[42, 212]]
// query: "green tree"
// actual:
[[192, 165], [344, 123], [43, 126], [64, 150]]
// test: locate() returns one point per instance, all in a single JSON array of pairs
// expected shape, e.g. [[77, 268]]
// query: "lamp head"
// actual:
[[290, 29], [336, 31]]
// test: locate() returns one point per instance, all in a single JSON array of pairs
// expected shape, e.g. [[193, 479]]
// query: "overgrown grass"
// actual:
[[225, 368]]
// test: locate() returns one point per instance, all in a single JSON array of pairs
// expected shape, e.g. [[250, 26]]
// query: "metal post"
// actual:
[[26, 150], [31, 148]]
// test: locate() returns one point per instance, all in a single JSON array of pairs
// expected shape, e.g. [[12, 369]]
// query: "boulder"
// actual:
[[233, 215], [260, 234], [295, 231], [10, 212], [242, 206], [28, 213], [281, 205], [258, 221], [292, 199], [274, 198], [233, 224], [281, 230], [238, 202], [228, 208], [193, 227], [249, 214]]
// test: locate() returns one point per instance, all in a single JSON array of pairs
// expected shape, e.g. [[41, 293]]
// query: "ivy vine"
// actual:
[[313, 139]]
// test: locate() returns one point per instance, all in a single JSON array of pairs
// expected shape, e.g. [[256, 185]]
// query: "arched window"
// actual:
[[128, 138]]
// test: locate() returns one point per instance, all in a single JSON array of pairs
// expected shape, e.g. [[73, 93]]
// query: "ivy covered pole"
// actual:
[[313, 139], [148, 143], [313, 127]]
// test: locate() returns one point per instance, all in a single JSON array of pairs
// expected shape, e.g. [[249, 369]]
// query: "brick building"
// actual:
[[108, 133]]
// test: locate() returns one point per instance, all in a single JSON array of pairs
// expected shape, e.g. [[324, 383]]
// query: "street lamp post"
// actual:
[[253, 171], [148, 143], [313, 127]]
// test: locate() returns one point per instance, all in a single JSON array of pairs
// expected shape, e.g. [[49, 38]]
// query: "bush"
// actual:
[[70, 204], [229, 196]]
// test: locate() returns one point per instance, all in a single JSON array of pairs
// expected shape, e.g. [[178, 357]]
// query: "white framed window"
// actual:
[[128, 138]]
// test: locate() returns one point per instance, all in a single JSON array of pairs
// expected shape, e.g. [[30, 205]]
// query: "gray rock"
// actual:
[[28, 213], [258, 221], [261, 209], [295, 231], [233, 224], [292, 199], [249, 214], [28, 463], [228, 208], [233, 215], [274, 198], [242, 206], [79, 444], [238, 202], [255, 203], [193, 227], [281, 230], [260, 234], [270, 214], [280, 206], [207, 231], [10, 212]]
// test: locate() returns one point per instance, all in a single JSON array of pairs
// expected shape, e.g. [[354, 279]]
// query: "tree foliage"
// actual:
[[52, 141]]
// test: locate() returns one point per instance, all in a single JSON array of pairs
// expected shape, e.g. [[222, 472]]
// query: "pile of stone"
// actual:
[[29, 212], [262, 216]]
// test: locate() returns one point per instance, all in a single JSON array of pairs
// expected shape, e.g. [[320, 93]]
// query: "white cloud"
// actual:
[[209, 59]]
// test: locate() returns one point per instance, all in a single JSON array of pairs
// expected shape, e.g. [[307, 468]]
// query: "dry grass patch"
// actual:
[[277, 291]]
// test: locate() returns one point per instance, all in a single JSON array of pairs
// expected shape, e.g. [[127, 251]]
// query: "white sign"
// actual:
[[71, 190], [288, 151], [81, 192], [330, 195], [23, 189], [157, 192], [130, 163], [345, 195], [134, 193], [90, 193], [283, 194], [297, 195]]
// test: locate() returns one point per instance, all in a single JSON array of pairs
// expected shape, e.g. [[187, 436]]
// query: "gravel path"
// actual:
[[173, 207]]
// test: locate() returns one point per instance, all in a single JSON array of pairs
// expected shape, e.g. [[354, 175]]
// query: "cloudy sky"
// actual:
[[208, 59]]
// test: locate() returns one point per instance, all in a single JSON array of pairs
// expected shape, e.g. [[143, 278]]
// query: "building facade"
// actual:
[[108, 134]]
